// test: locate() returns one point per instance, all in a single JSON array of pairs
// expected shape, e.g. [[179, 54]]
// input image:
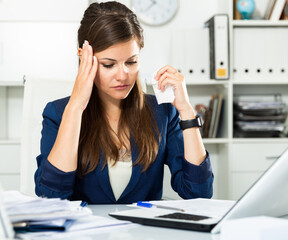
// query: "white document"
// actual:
[[167, 96], [200, 206], [95, 222], [81, 227]]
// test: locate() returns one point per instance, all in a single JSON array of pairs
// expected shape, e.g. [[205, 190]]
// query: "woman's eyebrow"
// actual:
[[135, 55], [114, 60], [109, 59]]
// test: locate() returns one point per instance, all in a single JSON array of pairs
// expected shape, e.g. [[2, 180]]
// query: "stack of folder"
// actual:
[[259, 116], [36, 218], [41, 214]]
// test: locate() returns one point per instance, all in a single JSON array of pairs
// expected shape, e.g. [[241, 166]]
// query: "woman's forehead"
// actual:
[[120, 51]]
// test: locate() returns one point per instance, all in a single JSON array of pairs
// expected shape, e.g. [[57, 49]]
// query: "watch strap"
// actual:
[[191, 123]]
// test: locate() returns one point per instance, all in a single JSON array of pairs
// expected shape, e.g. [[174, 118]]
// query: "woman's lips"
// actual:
[[121, 87]]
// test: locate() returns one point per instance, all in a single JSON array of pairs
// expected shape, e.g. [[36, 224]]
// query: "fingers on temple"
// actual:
[[93, 70], [87, 58], [89, 55]]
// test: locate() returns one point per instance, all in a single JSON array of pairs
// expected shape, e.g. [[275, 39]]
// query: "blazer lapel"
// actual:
[[103, 179], [136, 170]]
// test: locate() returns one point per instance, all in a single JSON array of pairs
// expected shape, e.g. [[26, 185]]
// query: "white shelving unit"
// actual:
[[258, 66]]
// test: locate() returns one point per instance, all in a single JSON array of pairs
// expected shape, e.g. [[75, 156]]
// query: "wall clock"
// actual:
[[155, 12]]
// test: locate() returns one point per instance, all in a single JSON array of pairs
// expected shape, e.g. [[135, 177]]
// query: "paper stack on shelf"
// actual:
[[259, 116], [35, 218]]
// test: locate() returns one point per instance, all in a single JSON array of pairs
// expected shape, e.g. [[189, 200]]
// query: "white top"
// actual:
[[120, 174]]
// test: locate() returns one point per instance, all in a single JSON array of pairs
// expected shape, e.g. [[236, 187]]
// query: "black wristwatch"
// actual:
[[191, 123]]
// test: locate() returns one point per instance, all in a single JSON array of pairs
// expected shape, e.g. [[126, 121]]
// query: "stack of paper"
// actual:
[[26, 211], [80, 228], [41, 217], [259, 115]]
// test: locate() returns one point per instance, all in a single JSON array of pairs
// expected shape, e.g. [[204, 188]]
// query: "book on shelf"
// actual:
[[212, 116], [269, 9], [218, 113], [277, 10], [284, 15], [261, 9], [236, 13], [207, 118]]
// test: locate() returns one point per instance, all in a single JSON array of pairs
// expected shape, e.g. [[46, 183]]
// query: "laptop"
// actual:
[[267, 196]]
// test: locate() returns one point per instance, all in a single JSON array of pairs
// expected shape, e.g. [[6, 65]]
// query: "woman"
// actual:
[[108, 142]]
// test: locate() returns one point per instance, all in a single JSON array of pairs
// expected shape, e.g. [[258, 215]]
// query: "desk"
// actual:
[[141, 232]]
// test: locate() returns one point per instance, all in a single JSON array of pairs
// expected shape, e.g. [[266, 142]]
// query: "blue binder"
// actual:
[[30, 227]]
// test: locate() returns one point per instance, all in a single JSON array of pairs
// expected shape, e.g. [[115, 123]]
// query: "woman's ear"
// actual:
[[80, 53]]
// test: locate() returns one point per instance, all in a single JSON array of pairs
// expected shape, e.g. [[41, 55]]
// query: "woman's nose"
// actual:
[[122, 73]]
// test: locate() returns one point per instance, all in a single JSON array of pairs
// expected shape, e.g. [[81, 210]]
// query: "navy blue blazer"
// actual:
[[188, 180]]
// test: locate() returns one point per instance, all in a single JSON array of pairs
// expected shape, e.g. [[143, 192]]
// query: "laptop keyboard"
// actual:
[[183, 216]]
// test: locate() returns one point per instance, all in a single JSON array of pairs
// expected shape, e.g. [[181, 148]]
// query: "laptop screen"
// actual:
[[267, 196]]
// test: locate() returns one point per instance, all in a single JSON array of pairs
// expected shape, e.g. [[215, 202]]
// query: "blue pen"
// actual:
[[150, 205], [83, 204]]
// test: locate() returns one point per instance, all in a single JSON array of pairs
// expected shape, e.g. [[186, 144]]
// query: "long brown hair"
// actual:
[[103, 25]]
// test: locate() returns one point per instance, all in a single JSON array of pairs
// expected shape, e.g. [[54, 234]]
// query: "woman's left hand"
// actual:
[[170, 76]]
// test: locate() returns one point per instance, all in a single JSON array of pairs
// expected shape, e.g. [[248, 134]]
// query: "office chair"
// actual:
[[37, 93]]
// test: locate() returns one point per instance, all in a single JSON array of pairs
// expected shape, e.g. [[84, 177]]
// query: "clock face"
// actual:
[[155, 12]]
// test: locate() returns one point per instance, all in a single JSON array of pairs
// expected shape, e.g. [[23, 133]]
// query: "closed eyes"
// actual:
[[112, 64], [108, 65]]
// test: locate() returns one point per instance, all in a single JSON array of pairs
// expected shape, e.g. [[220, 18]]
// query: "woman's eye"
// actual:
[[131, 63], [108, 65]]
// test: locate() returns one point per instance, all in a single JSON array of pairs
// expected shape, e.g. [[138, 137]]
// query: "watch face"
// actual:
[[155, 12]]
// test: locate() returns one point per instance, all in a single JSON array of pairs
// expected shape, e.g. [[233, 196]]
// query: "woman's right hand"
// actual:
[[85, 78]]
